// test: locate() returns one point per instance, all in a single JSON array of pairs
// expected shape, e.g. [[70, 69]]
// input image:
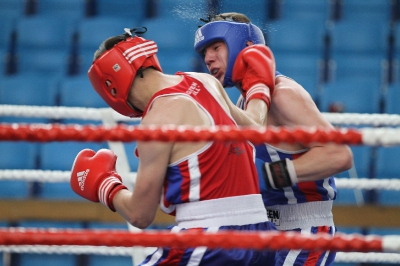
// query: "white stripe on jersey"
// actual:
[[323, 262], [331, 192], [155, 257], [292, 255], [195, 175], [240, 102], [289, 194], [158, 253], [273, 154], [164, 208], [198, 252]]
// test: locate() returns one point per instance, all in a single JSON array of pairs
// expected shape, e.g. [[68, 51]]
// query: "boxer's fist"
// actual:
[[93, 176], [254, 69]]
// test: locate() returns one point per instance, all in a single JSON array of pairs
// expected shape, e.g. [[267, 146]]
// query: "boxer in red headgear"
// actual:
[[112, 73], [208, 186]]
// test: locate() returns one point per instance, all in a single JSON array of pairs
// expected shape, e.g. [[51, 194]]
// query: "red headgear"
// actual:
[[112, 74]]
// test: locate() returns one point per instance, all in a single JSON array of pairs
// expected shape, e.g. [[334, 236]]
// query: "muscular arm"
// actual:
[[257, 110], [139, 207], [256, 116], [292, 106]]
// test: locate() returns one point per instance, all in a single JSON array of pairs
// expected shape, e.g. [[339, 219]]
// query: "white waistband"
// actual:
[[291, 216], [239, 210]]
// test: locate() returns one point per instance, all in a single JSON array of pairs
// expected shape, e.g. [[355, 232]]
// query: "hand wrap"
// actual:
[[280, 174]]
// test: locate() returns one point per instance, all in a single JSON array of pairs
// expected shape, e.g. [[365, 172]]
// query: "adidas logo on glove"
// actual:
[[82, 177]]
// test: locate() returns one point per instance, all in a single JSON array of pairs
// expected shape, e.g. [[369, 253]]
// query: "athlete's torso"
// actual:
[[322, 190], [219, 169]]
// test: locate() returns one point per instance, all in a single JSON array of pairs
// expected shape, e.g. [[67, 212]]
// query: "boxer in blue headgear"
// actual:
[[236, 36], [296, 180], [241, 43]]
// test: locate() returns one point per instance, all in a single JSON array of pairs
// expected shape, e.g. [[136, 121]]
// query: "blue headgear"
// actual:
[[234, 34]]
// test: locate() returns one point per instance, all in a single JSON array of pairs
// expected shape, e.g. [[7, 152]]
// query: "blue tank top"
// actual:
[[322, 190]]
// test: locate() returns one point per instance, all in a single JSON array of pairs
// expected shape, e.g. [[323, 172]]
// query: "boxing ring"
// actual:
[[382, 131]]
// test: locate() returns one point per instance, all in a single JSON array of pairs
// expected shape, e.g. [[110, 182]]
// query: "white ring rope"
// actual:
[[380, 136], [370, 257], [367, 184], [363, 119], [77, 250], [41, 175], [347, 257], [64, 176], [52, 112]]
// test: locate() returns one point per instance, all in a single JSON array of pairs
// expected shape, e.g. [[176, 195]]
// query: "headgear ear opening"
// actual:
[[113, 71]]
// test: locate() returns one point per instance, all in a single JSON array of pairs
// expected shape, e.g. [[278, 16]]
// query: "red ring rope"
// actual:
[[226, 239], [91, 133]]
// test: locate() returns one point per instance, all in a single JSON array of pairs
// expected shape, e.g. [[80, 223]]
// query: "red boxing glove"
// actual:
[[254, 69], [94, 178]]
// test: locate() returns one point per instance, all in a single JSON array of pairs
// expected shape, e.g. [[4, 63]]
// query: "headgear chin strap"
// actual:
[[234, 34], [112, 73]]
